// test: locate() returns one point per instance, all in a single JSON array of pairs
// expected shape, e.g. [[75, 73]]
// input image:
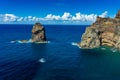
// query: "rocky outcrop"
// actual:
[[38, 33], [104, 32]]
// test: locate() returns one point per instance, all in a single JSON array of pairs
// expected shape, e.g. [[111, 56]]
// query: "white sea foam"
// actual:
[[19, 41], [42, 42], [12, 41], [103, 48], [28, 41], [79, 46], [42, 60], [114, 50], [75, 44]]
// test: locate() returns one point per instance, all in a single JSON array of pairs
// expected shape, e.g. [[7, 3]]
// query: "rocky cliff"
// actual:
[[104, 32], [38, 33]]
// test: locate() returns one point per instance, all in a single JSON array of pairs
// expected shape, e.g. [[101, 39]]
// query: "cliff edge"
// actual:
[[104, 32]]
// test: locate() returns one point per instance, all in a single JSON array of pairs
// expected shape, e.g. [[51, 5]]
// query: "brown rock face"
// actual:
[[38, 33], [118, 15], [104, 32]]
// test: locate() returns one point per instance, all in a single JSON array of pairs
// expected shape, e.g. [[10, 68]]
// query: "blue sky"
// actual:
[[56, 11]]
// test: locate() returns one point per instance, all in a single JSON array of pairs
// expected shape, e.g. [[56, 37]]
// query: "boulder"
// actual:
[[38, 33], [104, 32]]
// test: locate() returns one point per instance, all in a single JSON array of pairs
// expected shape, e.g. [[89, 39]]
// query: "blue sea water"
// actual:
[[58, 60]]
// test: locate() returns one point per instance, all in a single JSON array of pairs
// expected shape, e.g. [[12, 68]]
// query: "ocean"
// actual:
[[60, 59]]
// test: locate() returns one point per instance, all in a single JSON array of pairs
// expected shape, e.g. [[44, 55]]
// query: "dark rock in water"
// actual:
[[104, 32], [38, 33]]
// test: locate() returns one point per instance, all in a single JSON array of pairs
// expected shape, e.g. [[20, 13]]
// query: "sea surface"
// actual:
[[60, 59]]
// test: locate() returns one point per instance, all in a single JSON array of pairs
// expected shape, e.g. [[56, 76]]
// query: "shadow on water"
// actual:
[[38, 50], [39, 53], [99, 64]]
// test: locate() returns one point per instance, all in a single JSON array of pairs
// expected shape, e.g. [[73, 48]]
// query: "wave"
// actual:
[[75, 44], [41, 42], [42, 60], [12, 41], [114, 50], [28, 41], [103, 48]]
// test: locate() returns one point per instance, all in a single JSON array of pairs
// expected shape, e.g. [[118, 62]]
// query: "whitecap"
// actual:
[[44, 42], [29, 41], [42, 60], [19, 41], [74, 44], [114, 50], [12, 41], [79, 46], [48, 41], [103, 48]]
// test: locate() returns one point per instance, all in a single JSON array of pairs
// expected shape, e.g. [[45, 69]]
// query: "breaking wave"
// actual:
[[114, 50], [103, 48], [28, 41], [42, 60], [75, 44]]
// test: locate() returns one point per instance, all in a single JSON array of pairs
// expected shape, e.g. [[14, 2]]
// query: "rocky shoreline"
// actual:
[[104, 32]]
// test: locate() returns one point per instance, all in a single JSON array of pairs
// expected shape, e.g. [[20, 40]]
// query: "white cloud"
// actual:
[[9, 17], [84, 17], [66, 18], [104, 14], [77, 16], [52, 17], [20, 19]]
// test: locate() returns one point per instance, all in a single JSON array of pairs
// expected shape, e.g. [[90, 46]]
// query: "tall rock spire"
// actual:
[[38, 33]]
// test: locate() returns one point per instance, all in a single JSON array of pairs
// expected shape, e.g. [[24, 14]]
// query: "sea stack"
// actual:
[[104, 32], [38, 33]]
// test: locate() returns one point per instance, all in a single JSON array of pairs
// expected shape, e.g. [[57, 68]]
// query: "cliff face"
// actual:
[[38, 33], [104, 32]]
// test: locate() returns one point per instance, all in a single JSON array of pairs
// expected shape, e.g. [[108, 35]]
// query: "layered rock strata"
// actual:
[[104, 32]]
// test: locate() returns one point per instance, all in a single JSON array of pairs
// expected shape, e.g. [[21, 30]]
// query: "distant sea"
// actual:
[[60, 59]]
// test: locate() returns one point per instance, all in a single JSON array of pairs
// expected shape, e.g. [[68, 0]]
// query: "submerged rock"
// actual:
[[104, 32], [38, 33]]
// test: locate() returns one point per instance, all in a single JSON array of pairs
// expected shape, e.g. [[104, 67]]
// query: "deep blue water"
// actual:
[[57, 60]]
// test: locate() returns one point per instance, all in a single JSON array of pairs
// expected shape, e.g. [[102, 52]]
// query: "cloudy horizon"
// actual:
[[81, 12], [66, 18]]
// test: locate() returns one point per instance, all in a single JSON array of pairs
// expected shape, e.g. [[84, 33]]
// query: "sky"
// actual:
[[78, 12]]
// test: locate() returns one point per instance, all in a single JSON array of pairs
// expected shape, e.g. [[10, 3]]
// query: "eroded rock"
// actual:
[[104, 32], [38, 33]]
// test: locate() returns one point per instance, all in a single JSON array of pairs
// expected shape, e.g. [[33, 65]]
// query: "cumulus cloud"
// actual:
[[20, 19], [104, 14], [84, 17], [9, 17], [51, 18], [66, 16]]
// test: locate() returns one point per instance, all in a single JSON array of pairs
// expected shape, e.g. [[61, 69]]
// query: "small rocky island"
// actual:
[[38, 33], [104, 32]]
